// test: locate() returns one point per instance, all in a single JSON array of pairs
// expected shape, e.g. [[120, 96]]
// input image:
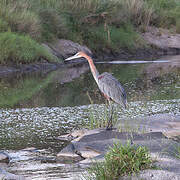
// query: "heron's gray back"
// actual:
[[111, 87]]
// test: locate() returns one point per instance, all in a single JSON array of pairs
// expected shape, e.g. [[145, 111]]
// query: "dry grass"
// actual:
[[20, 19]]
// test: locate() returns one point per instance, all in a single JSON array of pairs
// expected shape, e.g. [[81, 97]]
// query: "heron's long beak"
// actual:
[[73, 57]]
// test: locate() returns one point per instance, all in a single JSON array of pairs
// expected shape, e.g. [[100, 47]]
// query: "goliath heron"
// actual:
[[108, 85]]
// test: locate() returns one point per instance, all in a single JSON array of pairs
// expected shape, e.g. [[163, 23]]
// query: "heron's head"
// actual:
[[76, 56]]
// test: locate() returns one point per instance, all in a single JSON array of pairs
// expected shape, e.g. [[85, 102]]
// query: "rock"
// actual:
[[66, 137], [168, 124], [30, 149], [65, 48], [68, 157], [174, 134], [4, 157], [55, 54], [89, 153], [79, 133], [90, 147], [162, 38], [153, 174], [9, 176], [154, 70]]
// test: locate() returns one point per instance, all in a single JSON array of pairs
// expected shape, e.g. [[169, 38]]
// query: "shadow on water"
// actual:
[[38, 107]]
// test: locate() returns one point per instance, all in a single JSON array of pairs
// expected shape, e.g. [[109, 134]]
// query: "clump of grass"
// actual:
[[99, 118], [177, 153], [121, 160], [20, 18], [53, 25], [166, 13], [21, 49]]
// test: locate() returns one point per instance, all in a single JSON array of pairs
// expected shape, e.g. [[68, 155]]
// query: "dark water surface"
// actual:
[[38, 107]]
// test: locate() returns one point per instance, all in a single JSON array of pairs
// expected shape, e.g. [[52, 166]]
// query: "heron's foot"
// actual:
[[110, 128]]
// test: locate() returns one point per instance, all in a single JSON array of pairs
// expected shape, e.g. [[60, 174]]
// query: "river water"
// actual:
[[36, 108]]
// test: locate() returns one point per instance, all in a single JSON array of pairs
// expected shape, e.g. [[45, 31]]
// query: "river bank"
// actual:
[[159, 42], [141, 54]]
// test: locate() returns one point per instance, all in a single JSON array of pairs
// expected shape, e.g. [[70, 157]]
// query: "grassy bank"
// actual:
[[99, 24]]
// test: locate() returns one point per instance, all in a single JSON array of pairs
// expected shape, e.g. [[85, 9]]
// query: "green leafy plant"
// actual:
[[121, 160]]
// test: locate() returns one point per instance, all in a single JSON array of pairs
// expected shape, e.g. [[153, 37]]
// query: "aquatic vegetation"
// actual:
[[52, 121]]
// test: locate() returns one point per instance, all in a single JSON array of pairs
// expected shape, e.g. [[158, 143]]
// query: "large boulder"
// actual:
[[65, 48]]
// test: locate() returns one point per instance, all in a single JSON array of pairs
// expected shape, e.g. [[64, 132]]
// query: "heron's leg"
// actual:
[[110, 123]]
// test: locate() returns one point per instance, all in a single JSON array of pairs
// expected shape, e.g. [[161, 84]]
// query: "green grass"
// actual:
[[165, 13], [21, 49], [121, 160]]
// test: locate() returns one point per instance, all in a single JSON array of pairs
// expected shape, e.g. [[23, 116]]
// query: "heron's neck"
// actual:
[[94, 71]]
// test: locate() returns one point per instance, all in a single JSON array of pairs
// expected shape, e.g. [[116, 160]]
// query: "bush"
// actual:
[[20, 48], [121, 160]]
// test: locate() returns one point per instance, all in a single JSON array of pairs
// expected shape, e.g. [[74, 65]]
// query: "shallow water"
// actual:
[[36, 108]]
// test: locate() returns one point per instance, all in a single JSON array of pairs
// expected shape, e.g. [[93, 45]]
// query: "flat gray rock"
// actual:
[[9, 176]]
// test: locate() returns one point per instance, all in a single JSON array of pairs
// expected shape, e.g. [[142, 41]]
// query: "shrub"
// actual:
[[121, 160], [20, 48]]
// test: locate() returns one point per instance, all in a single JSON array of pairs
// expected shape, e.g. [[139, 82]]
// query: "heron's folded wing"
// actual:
[[111, 87]]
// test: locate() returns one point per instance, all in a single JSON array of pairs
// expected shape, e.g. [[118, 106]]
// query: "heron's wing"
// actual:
[[111, 87]]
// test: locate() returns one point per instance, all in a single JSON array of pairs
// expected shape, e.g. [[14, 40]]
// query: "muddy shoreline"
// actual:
[[140, 54]]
